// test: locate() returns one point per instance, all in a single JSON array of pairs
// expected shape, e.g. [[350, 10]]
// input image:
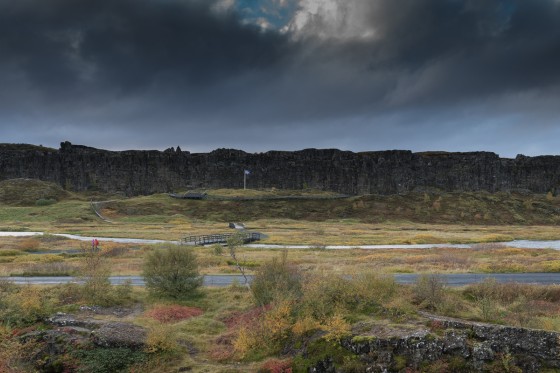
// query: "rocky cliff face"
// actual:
[[450, 345], [83, 168]]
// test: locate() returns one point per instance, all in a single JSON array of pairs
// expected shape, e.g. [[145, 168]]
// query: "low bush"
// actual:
[[276, 280], [429, 291], [107, 360], [276, 366], [114, 250], [323, 296], [173, 313], [161, 339], [97, 288], [217, 249], [24, 305], [171, 271]]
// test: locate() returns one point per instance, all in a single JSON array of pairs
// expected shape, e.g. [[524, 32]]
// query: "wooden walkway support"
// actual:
[[208, 239]]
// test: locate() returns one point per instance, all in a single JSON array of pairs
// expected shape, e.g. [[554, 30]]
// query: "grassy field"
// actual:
[[19, 256], [230, 333], [414, 218]]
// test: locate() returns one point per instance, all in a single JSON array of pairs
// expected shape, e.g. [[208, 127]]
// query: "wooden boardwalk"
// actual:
[[209, 239]]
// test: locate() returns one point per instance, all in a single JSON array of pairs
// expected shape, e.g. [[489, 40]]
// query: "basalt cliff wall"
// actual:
[[82, 168]]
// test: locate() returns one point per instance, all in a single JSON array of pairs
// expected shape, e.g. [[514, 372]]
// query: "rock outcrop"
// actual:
[[82, 168], [458, 345], [101, 333]]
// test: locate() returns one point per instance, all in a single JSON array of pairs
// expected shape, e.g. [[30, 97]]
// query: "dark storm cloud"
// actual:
[[128, 73], [128, 44], [479, 47]]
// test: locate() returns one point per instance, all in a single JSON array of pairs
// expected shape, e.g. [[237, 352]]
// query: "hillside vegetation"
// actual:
[[480, 208], [442, 208], [29, 192]]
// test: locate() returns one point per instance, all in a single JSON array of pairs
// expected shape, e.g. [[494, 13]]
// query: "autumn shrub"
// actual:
[[95, 273], [429, 291], [173, 313], [323, 296], [372, 289], [266, 334], [24, 305], [171, 271], [276, 366], [69, 293], [217, 249], [114, 250], [13, 353], [276, 280], [161, 339], [336, 328], [29, 244], [305, 326]]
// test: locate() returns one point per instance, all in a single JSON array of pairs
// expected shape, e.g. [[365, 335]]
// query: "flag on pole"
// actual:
[[247, 172]]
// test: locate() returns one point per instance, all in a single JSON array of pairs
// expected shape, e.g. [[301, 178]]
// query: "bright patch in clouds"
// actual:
[[333, 19]]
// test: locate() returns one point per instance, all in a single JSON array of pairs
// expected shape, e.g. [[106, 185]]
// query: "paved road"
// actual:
[[209, 280], [225, 280], [461, 279]]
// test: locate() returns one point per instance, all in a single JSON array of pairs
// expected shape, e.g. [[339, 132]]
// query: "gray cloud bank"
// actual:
[[352, 74]]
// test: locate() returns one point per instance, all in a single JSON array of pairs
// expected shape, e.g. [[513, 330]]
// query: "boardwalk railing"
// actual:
[[208, 239]]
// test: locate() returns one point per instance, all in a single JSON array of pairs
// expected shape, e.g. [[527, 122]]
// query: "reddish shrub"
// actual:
[[16, 332], [436, 325], [221, 353], [238, 319], [276, 366], [173, 313], [223, 347]]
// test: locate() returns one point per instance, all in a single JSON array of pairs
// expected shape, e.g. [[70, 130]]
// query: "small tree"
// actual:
[[95, 272], [232, 243], [172, 271], [429, 291]]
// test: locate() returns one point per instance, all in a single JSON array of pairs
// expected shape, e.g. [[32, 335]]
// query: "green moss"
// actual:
[[399, 362], [363, 339], [109, 360], [320, 350]]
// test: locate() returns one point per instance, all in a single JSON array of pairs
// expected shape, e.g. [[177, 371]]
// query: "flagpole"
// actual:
[[244, 180]]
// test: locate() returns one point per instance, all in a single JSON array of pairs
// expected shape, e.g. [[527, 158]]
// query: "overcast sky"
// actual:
[[258, 75]]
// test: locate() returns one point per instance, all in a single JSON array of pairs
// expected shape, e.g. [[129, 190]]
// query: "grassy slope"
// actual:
[[445, 208], [410, 218]]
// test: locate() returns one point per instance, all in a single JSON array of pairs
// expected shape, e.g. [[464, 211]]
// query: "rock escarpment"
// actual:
[[450, 345], [82, 168]]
